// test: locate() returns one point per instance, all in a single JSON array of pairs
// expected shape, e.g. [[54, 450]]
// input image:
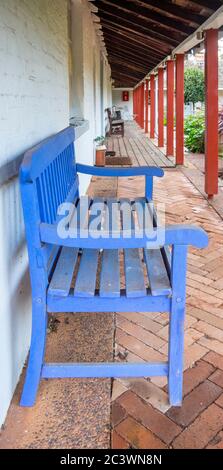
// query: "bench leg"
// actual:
[[176, 325], [36, 355], [176, 348]]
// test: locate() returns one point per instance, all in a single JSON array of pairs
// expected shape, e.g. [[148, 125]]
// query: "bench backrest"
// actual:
[[48, 177]]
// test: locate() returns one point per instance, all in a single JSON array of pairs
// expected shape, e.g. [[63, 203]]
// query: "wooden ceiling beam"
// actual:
[[142, 16], [211, 5], [136, 68], [135, 46], [146, 22], [141, 30], [118, 74], [127, 54], [182, 13], [129, 32], [143, 70], [134, 39]]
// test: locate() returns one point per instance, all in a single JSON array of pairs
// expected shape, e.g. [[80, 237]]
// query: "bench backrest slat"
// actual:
[[48, 178]]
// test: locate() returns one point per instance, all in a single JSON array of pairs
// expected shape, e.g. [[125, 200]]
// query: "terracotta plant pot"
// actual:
[[100, 155]]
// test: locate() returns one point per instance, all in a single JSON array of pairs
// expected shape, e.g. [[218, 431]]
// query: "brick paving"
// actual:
[[141, 414], [76, 413]]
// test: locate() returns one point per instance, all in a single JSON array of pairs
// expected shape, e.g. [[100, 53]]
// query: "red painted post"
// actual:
[[147, 107], [152, 106], [142, 105], [170, 107], [160, 107], [179, 109], [133, 102], [211, 100], [138, 105]]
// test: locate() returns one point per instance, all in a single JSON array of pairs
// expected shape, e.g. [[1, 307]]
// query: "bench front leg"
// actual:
[[36, 354], [176, 325]]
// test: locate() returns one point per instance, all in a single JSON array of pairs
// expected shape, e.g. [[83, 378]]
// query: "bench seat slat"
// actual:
[[62, 276], [110, 274], [134, 276], [86, 277], [157, 273]]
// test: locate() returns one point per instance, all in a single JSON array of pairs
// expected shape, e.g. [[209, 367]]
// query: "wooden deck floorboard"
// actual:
[[138, 147]]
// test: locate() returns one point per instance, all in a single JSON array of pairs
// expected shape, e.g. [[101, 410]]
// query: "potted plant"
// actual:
[[100, 150]]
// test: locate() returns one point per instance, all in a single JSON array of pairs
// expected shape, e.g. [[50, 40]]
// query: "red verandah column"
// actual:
[[147, 107], [160, 108], [179, 109], [152, 106], [211, 103], [142, 105], [170, 107]]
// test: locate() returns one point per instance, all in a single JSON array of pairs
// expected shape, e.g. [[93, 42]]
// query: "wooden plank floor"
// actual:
[[138, 147]]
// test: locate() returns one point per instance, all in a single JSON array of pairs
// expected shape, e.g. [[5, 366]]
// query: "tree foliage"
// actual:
[[194, 131], [193, 85]]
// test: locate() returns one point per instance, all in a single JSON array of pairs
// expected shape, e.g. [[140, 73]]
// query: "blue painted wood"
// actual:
[[34, 164], [173, 234], [149, 187], [48, 177], [156, 269], [90, 370], [113, 171], [176, 326], [134, 276], [86, 278], [110, 274], [39, 282], [148, 303], [62, 276]]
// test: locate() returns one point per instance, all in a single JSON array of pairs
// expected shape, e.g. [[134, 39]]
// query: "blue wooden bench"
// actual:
[[64, 271]]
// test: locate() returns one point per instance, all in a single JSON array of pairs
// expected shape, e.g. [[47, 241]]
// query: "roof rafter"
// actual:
[[180, 12], [127, 32], [144, 16]]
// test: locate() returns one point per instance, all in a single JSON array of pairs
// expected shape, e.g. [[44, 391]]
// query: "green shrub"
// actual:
[[194, 130]]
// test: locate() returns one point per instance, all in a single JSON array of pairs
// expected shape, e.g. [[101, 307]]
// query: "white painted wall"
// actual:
[[91, 86], [127, 106], [37, 99], [34, 103]]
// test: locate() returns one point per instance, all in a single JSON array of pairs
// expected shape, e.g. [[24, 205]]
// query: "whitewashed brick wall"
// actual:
[[34, 103]]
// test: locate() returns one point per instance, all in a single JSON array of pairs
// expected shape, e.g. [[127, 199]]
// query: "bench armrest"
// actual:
[[148, 171], [169, 235], [116, 171]]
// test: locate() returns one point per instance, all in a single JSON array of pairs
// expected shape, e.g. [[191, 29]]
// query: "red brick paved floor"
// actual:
[[141, 415]]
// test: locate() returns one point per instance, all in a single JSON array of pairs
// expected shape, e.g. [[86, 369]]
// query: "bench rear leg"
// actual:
[[176, 349], [36, 355], [176, 325]]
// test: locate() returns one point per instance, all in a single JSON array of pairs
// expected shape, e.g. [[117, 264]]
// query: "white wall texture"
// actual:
[[33, 54], [90, 96], [34, 103], [127, 106]]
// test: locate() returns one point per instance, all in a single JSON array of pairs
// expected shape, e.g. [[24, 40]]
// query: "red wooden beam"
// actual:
[[211, 90], [180, 109], [152, 106], [160, 107], [147, 107], [170, 107], [138, 106], [142, 105]]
